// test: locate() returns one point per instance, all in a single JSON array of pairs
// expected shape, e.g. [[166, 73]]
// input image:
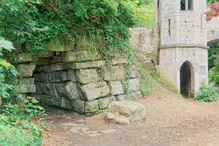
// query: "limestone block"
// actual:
[[134, 95], [56, 77], [43, 61], [128, 109], [134, 85], [78, 56], [26, 70], [84, 65], [119, 61], [42, 88], [26, 88], [104, 103], [24, 57], [48, 100], [46, 68], [116, 87], [96, 90], [69, 90], [37, 77], [52, 91], [44, 77], [26, 81], [133, 72], [112, 117], [78, 106], [71, 75], [58, 67], [66, 103], [114, 73], [57, 59], [91, 107], [46, 55], [120, 97], [57, 46], [39, 91], [86, 76]]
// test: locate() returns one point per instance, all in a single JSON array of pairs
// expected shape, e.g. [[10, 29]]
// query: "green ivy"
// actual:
[[103, 24]]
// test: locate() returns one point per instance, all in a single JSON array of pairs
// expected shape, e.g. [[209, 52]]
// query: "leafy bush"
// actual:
[[214, 75], [20, 133], [208, 93], [15, 126]]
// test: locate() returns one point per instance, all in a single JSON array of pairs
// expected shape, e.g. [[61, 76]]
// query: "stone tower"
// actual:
[[183, 53]]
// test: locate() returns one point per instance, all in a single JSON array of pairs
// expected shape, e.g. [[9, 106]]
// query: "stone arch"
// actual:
[[187, 79]]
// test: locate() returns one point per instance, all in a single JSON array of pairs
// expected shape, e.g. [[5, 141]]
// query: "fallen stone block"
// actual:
[[120, 97], [127, 111]]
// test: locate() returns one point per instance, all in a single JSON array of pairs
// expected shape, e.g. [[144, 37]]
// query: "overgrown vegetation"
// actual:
[[17, 112], [208, 93], [102, 25], [214, 64]]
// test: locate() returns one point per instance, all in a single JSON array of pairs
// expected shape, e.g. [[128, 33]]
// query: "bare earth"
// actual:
[[171, 121]]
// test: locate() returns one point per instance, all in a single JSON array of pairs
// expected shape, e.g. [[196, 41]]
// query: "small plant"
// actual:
[[21, 133], [147, 83], [208, 93]]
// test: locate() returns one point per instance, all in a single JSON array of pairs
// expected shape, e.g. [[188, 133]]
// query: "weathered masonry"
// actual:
[[75, 80], [178, 46]]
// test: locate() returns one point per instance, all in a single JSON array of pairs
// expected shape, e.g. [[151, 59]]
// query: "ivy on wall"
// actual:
[[100, 25]]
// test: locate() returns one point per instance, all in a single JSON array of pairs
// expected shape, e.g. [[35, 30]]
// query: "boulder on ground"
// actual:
[[124, 112]]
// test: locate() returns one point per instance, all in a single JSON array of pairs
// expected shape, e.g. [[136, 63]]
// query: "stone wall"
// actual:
[[75, 80], [146, 44]]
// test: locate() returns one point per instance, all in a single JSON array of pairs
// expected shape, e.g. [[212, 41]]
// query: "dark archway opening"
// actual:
[[185, 80]]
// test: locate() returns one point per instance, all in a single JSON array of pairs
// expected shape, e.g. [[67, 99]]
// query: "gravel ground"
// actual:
[[171, 121]]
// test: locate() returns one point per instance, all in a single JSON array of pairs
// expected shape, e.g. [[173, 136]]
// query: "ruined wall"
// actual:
[[76, 80], [146, 43]]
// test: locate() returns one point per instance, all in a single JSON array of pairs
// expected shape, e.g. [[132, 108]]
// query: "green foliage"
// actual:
[[214, 75], [26, 109], [213, 60], [208, 93], [15, 126], [102, 23], [212, 1], [8, 72], [19, 132], [147, 83]]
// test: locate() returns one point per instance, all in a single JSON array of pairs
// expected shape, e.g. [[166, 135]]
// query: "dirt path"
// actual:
[[171, 121]]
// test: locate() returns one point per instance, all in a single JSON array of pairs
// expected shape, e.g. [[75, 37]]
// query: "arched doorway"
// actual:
[[186, 73]]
